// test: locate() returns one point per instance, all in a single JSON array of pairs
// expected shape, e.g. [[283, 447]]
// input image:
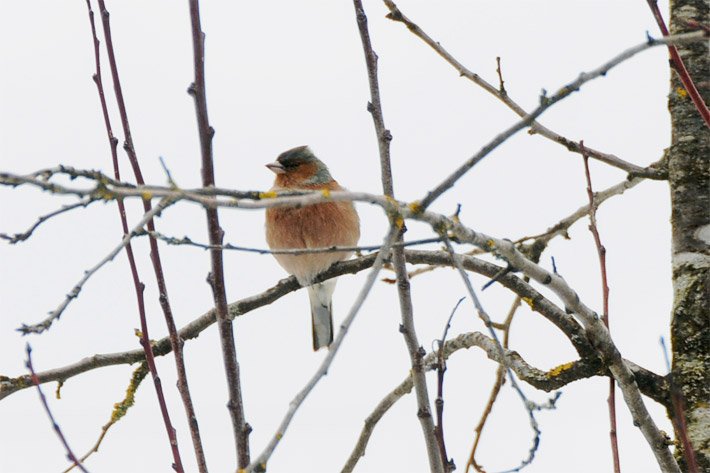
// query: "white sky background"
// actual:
[[282, 74]]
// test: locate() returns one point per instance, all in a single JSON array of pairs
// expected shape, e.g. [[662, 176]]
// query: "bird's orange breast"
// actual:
[[314, 226]]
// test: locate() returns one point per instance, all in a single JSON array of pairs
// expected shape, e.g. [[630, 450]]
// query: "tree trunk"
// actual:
[[689, 179]]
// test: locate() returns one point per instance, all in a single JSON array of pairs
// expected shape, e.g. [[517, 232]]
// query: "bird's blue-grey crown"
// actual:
[[295, 157]]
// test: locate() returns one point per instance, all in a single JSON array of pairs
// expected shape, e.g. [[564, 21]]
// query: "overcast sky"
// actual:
[[282, 74]]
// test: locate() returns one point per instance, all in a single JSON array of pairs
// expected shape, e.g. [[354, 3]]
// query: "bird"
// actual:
[[313, 226]]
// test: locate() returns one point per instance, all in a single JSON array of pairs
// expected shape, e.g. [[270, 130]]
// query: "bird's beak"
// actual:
[[276, 167]]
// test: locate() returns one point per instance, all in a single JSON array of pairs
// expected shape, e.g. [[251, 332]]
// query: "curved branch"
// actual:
[[19, 237]]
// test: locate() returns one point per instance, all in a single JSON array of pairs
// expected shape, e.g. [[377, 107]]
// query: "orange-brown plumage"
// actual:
[[314, 226]]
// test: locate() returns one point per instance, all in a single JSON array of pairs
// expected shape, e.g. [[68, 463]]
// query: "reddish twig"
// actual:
[[501, 82], [678, 417], [697, 26], [55, 426], [175, 341], [216, 235], [678, 401], [678, 65], [601, 252]]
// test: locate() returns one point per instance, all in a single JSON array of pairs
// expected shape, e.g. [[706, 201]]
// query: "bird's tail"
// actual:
[[321, 295]]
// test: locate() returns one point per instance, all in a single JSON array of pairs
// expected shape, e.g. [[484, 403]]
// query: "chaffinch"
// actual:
[[313, 226]]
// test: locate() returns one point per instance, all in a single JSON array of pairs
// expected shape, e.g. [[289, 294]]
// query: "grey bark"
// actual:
[[689, 180]]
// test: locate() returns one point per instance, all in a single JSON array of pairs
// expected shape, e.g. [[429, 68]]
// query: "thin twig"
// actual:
[[696, 25], [601, 252], [182, 383], [263, 251], [198, 92], [74, 293], [501, 83], [55, 426], [259, 465], [562, 227], [18, 237], [535, 127], [415, 350], [678, 65], [678, 418], [74, 173], [449, 464]]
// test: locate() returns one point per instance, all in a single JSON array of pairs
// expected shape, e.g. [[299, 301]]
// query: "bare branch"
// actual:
[[18, 237], [449, 464], [601, 252], [299, 251], [216, 277], [501, 83], [561, 227]]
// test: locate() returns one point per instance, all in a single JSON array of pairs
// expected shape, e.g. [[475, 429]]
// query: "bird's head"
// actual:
[[299, 167]]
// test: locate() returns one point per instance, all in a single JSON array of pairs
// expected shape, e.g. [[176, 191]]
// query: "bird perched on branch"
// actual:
[[313, 226]]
